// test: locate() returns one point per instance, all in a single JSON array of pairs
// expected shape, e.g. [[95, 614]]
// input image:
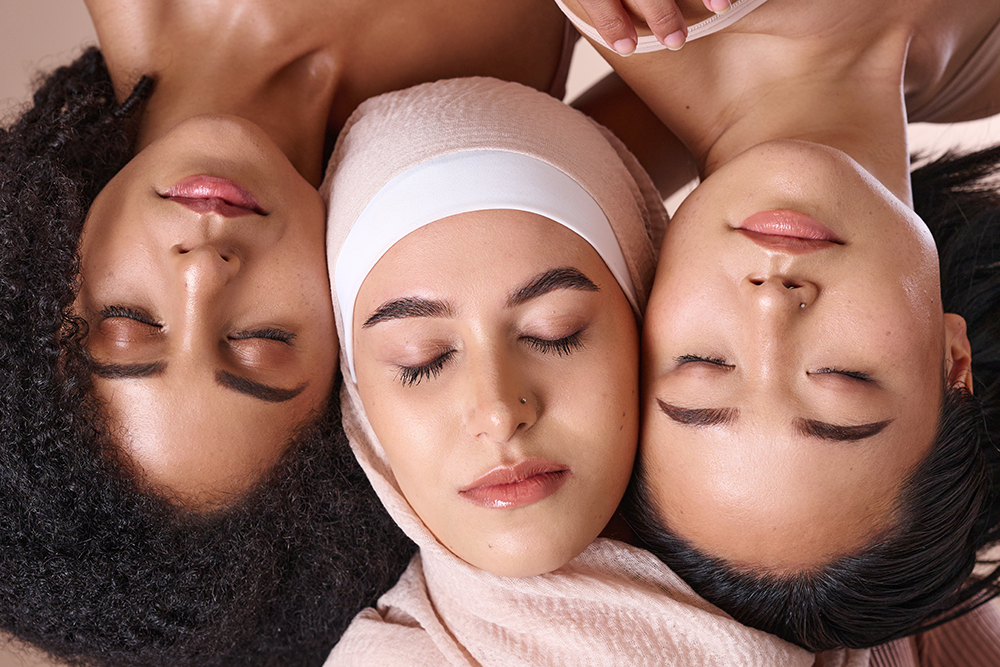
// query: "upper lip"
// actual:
[[505, 474], [204, 194]]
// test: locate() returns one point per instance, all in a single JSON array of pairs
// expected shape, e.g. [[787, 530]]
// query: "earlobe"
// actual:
[[957, 352]]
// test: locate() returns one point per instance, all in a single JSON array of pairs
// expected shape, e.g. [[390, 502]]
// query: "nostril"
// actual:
[[757, 281]]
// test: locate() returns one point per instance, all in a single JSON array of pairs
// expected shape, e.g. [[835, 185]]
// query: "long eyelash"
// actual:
[[561, 347], [857, 375], [268, 333], [412, 375], [129, 313], [715, 361]]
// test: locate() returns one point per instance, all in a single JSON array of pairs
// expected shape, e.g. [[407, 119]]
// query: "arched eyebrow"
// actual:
[[258, 390], [840, 433], [812, 428], [536, 286], [562, 278], [409, 306], [243, 385], [127, 371], [699, 416]]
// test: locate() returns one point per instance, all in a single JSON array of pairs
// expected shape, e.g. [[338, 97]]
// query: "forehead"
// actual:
[[760, 494], [479, 252]]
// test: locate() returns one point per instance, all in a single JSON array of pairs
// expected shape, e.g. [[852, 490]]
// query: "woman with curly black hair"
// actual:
[[174, 485]]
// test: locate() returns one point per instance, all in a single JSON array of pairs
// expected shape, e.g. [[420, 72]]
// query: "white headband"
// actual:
[[463, 182]]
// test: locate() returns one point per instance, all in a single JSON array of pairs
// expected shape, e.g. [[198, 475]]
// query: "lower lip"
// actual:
[[791, 224], [214, 192], [517, 494]]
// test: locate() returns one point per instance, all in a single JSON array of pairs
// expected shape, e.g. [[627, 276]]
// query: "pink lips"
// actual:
[[211, 194], [517, 486], [789, 231]]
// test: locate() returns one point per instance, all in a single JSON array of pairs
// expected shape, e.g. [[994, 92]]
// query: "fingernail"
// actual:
[[675, 40], [720, 6], [624, 46]]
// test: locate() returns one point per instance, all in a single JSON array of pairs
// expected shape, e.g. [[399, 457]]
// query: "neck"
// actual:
[[856, 107], [793, 69], [291, 105], [869, 127], [255, 59]]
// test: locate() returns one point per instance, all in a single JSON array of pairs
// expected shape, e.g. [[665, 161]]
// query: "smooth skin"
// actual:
[[442, 384], [216, 332], [786, 393], [798, 106]]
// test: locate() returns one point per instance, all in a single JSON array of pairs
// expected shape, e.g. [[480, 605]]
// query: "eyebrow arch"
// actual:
[[809, 427], [553, 279], [699, 416], [258, 390], [410, 306], [818, 429], [128, 371]]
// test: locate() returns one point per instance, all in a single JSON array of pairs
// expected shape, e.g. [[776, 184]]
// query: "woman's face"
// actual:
[[795, 353], [497, 359], [203, 281]]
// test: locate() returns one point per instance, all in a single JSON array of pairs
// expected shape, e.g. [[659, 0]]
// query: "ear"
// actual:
[[957, 352]]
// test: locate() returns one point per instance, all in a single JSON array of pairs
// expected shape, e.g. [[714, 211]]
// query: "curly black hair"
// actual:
[[920, 573], [96, 569]]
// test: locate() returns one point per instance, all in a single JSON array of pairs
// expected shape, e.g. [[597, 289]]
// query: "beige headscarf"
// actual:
[[612, 605]]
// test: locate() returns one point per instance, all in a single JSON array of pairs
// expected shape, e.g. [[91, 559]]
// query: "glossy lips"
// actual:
[[211, 194], [788, 231], [517, 486]]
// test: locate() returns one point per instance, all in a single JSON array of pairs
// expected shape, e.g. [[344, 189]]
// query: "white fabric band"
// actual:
[[463, 182]]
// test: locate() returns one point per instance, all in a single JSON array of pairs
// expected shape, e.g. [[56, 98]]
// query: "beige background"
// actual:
[[38, 35]]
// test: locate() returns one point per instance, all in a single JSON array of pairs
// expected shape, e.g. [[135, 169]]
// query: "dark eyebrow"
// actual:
[[408, 307], [699, 416], [809, 427], [125, 371], [258, 390], [553, 279], [840, 433]]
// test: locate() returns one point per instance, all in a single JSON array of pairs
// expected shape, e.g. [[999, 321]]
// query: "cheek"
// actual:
[[412, 429]]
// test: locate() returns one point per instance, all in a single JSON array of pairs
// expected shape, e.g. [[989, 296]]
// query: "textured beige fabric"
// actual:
[[613, 604]]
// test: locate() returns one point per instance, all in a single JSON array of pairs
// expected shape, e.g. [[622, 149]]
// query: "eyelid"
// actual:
[[267, 333], [412, 375], [854, 375], [693, 358], [561, 346], [129, 313]]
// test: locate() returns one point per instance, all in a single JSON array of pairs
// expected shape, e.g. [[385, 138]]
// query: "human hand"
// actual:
[[614, 22]]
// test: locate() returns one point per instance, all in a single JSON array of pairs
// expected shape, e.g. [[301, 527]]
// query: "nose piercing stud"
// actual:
[[523, 401], [802, 305]]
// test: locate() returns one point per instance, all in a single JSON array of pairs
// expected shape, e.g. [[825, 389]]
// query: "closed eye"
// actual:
[[129, 313], [412, 375], [562, 346], [854, 375], [267, 333], [693, 358]]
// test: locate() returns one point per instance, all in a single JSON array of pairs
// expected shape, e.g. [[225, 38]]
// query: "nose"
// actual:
[[499, 404], [779, 295], [205, 268], [203, 272]]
